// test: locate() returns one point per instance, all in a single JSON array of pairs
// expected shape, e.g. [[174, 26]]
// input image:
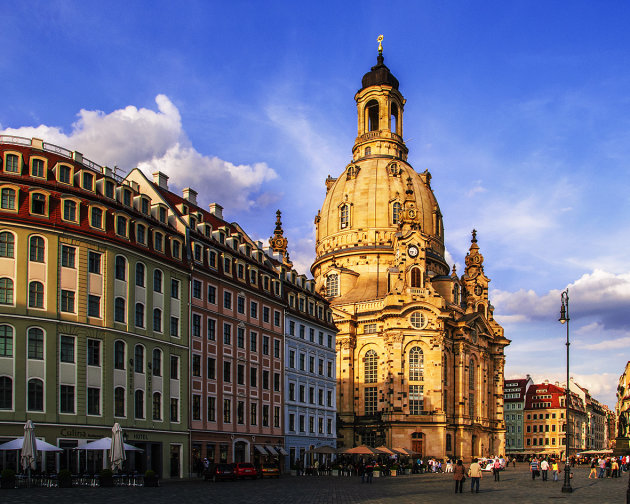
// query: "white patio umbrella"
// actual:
[[105, 444], [29, 448], [17, 443], [117, 449]]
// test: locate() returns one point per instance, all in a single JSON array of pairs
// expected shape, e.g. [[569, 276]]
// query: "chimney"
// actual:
[[190, 195], [160, 179], [216, 210]]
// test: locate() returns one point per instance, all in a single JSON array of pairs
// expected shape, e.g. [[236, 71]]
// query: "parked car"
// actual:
[[488, 464], [220, 472], [245, 470], [269, 471]]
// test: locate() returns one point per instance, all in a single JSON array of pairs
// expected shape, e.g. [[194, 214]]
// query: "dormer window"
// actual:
[[212, 259], [96, 217], [198, 252], [162, 214], [158, 241], [109, 189], [126, 197], [121, 226], [38, 167], [38, 204], [88, 181], [144, 206], [141, 234], [65, 174], [176, 249], [70, 211], [12, 163]]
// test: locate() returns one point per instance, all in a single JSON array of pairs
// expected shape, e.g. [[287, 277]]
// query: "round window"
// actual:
[[418, 320]]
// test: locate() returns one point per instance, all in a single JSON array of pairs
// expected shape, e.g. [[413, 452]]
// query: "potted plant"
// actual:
[[7, 479], [106, 478], [408, 469], [394, 471], [151, 479], [335, 469], [376, 473], [64, 479]]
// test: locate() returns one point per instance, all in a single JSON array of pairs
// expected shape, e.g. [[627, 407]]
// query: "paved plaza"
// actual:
[[515, 486]]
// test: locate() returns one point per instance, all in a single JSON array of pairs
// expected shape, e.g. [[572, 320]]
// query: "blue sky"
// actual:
[[520, 110]]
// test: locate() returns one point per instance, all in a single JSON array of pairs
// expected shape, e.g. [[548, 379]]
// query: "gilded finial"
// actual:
[[474, 236], [380, 45]]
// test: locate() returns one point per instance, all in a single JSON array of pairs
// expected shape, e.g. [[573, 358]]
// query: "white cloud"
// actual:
[[599, 295], [154, 140]]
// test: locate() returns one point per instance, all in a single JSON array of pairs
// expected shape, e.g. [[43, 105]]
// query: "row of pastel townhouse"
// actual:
[[121, 301], [535, 419]]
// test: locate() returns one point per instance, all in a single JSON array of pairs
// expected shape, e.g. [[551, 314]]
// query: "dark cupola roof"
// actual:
[[379, 75]]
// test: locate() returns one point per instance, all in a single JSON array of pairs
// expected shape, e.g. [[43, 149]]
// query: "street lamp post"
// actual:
[[564, 317]]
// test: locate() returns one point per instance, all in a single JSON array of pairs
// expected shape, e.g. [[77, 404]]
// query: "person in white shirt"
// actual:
[[544, 467]]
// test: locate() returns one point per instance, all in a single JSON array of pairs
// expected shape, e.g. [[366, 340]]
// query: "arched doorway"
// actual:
[[416, 442], [241, 451]]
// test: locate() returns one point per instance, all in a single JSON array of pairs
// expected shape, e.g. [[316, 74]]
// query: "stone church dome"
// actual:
[[377, 198]]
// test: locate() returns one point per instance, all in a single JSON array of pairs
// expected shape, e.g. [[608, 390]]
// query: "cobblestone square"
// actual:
[[515, 486]]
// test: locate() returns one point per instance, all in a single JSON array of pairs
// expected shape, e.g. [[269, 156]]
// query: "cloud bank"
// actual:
[[155, 140]]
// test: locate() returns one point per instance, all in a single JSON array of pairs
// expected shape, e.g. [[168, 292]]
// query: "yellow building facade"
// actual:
[[420, 357]]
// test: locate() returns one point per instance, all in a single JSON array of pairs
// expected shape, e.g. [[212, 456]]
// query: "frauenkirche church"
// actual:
[[420, 357]]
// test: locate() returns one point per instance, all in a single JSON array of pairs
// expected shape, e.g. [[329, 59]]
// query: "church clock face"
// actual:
[[412, 250]]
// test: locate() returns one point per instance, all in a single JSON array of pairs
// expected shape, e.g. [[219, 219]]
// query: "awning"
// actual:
[[260, 449], [271, 450], [281, 450]]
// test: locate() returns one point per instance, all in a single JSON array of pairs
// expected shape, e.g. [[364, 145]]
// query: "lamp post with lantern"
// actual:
[[564, 318]]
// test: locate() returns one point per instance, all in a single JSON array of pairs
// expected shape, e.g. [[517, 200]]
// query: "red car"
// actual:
[[245, 470]]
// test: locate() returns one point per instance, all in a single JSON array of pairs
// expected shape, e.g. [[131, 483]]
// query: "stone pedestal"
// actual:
[[622, 446]]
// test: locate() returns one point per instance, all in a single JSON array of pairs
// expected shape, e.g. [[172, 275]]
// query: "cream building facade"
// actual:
[[420, 357]]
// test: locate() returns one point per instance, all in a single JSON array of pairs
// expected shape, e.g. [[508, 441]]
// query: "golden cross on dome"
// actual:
[[380, 45]]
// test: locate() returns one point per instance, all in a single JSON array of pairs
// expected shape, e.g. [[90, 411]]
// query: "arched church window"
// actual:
[[368, 151], [344, 216], [393, 170], [396, 208], [372, 115], [418, 320], [394, 119], [456, 294], [416, 364], [416, 277], [370, 371], [481, 309], [471, 386], [332, 285]]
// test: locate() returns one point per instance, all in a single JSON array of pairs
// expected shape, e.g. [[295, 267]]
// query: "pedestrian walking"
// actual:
[[474, 471], [533, 468], [544, 468], [602, 467], [554, 468], [459, 475], [593, 472]]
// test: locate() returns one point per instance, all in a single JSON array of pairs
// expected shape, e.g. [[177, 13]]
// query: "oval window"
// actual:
[[418, 320]]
